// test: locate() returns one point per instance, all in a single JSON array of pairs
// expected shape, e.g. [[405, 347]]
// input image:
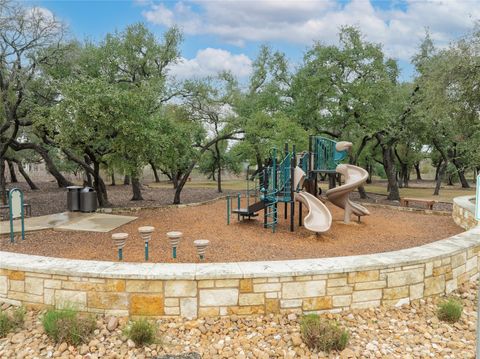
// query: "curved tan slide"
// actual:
[[319, 218], [340, 196]]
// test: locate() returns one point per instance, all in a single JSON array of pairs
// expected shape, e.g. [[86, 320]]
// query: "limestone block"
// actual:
[[405, 277], [17, 285], [341, 300], [146, 304], [319, 303], [290, 303], [206, 284], [16, 275], [247, 310], [303, 289], [107, 300], [378, 284], [267, 287], [416, 291], [363, 276], [471, 264], [246, 285], [188, 307], [180, 288], [226, 283], [49, 296], [218, 297], [144, 286], [395, 293], [363, 305], [459, 259], [34, 285], [337, 282], [208, 312], [52, 283], [172, 302], [3, 284], [272, 306], [434, 285], [68, 298], [172, 310], [251, 299], [367, 295]]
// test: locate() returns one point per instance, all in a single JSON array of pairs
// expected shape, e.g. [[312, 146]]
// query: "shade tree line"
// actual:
[[111, 106]]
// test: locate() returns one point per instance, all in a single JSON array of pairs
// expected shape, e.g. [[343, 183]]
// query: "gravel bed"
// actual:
[[410, 331], [382, 199]]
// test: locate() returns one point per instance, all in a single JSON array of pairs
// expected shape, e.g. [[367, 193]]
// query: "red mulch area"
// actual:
[[384, 230]]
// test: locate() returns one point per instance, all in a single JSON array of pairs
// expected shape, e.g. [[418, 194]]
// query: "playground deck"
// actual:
[[384, 230]]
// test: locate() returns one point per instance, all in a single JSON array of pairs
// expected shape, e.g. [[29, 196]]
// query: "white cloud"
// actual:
[[303, 21], [209, 62]]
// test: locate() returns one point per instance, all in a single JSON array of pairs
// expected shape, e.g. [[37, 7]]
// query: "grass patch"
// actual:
[[450, 310], [11, 321], [66, 325], [141, 332], [323, 335]]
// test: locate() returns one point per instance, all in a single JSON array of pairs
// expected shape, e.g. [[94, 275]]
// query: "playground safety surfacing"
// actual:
[[71, 221]]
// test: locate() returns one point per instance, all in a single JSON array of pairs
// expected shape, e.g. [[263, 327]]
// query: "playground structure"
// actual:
[[291, 180]]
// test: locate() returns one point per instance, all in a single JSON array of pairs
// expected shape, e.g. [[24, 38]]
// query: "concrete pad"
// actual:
[[96, 222], [69, 221]]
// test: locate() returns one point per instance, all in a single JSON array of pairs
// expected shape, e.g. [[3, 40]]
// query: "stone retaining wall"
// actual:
[[212, 289], [463, 212]]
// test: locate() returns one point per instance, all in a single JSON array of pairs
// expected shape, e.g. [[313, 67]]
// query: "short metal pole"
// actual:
[[228, 210], [120, 253], [174, 252], [238, 206], [300, 205], [146, 251]]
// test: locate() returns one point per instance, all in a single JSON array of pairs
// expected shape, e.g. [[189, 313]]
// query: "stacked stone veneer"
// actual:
[[463, 212], [211, 289]]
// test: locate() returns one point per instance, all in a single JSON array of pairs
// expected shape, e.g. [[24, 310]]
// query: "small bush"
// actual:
[[450, 311], [141, 332], [66, 325], [9, 322], [322, 335]]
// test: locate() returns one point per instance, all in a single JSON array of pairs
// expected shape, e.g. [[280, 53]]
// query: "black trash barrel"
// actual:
[[88, 200], [73, 198]]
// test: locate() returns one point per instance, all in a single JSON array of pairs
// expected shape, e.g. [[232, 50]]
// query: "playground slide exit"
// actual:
[[319, 218]]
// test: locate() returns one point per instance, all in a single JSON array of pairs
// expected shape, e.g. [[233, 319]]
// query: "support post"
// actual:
[[228, 209], [293, 163], [238, 206], [300, 214]]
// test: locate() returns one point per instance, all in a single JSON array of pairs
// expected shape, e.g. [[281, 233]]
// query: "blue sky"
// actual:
[[225, 35]]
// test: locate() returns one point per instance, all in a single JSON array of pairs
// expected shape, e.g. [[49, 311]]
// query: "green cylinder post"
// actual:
[[228, 210], [146, 251], [238, 206], [120, 254], [174, 252]]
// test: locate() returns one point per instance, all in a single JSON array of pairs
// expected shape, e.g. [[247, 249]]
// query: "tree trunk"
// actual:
[[389, 166], [417, 171], [362, 192], [437, 168], [450, 180], [441, 174], [218, 163], [136, 189], [11, 169], [155, 172], [52, 168], [32, 185], [99, 186], [113, 179], [126, 180], [88, 179], [369, 170], [3, 182], [463, 179]]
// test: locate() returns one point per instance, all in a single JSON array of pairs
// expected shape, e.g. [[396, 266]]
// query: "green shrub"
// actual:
[[450, 311], [12, 321], [141, 332], [66, 325], [322, 335]]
